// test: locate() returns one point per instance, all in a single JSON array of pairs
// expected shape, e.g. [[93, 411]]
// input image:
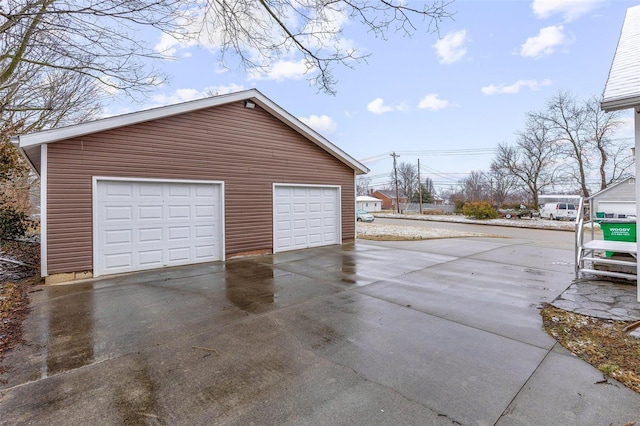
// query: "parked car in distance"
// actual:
[[559, 211], [520, 212], [364, 216]]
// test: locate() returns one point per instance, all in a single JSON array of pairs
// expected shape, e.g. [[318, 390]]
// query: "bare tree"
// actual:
[[362, 185], [407, 179], [502, 184], [97, 39], [584, 136], [100, 38], [261, 32], [72, 98], [476, 186], [532, 159], [614, 158]]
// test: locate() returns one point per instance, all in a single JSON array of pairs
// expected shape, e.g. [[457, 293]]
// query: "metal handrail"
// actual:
[[579, 238]]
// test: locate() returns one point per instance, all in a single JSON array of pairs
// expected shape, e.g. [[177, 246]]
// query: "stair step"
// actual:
[[609, 274], [616, 246], [610, 261]]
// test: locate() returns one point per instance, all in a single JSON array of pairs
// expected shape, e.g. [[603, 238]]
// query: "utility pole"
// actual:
[[395, 172], [419, 188]]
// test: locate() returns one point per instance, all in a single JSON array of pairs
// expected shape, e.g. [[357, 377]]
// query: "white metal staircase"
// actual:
[[590, 255]]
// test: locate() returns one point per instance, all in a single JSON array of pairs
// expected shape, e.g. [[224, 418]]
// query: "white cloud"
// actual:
[[223, 90], [378, 107], [514, 88], [569, 9], [432, 102], [451, 48], [545, 43], [185, 95], [322, 124], [282, 70]]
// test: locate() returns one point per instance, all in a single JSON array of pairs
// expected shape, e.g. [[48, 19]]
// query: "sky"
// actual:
[[447, 99]]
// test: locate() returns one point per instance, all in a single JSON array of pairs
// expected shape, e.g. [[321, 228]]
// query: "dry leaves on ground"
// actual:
[[15, 283], [601, 343]]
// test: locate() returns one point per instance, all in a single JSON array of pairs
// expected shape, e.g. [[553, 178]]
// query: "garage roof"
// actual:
[[29, 144], [622, 90]]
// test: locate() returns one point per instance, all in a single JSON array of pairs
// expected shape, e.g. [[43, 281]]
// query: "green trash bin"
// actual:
[[618, 231], [599, 216]]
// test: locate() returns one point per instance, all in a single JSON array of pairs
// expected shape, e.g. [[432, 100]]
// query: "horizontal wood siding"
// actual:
[[247, 149]]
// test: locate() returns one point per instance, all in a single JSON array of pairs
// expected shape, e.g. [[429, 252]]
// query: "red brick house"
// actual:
[[388, 198]]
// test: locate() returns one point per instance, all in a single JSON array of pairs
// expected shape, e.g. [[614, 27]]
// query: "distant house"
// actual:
[[615, 201], [622, 90], [369, 204], [388, 198]]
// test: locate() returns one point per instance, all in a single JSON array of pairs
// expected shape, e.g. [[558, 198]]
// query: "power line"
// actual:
[[432, 152]]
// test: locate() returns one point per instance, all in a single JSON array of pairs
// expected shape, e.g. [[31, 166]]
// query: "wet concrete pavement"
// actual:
[[422, 332]]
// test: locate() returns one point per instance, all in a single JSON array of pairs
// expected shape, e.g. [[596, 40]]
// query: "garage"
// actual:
[[305, 216], [205, 180], [142, 224]]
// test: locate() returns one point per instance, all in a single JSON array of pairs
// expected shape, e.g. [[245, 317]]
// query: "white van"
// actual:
[[559, 211]]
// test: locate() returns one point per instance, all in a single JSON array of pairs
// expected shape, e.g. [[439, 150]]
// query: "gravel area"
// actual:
[[378, 230]]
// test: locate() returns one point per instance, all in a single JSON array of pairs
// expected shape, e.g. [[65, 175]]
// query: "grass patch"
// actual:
[[602, 343]]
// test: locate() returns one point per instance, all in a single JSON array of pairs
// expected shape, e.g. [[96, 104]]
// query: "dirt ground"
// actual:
[[16, 281], [605, 344]]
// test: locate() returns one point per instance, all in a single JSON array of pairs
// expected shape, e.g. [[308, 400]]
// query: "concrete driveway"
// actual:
[[426, 332]]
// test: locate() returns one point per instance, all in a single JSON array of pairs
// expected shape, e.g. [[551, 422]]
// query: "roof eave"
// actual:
[[83, 129], [309, 133], [15, 141], [620, 104]]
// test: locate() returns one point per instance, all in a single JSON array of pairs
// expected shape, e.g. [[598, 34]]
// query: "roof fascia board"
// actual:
[[309, 133], [109, 123], [15, 141], [620, 104], [610, 187]]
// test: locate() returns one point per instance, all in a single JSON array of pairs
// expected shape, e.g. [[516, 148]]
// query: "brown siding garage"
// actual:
[[248, 152]]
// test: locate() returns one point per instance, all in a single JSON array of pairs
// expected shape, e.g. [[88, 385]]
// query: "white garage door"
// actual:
[[305, 216], [152, 224]]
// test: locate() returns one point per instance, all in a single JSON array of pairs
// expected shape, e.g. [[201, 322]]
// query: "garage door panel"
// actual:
[[204, 231], [150, 258], [114, 190], [305, 217], [118, 261], [123, 236], [149, 190], [150, 212], [179, 233], [178, 254], [179, 191], [118, 213], [159, 224], [205, 212], [149, 235]]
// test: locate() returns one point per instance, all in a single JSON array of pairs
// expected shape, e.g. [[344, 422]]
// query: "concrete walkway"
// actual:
[[405, 333], [601, 299]]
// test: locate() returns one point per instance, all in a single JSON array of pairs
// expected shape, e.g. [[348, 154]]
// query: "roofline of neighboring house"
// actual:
[[620, 104], [621, 89], [82, 129], [597, 194]]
